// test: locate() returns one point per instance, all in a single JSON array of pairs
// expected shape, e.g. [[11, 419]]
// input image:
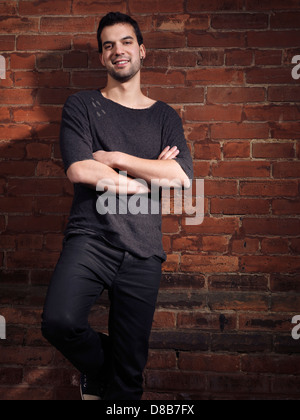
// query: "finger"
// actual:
[[171, 154], [161, 156]]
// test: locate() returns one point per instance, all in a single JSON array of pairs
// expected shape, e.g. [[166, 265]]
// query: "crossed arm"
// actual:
[[164, 170]]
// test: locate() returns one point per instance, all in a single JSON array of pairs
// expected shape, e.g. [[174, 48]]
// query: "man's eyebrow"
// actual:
[[123, 39]]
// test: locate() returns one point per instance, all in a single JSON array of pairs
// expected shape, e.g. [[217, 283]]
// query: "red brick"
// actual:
[[158, 77], [45, 42], [76, 59], [15, 132], [271, 226], [4, 115], [17, 97], [35, 223], [241, 169], [215, 40], [276, 4], [161, 360], [239, 58], [240, 131], [235, 95], [8, 8], [269, 76], [276, 188], [214, 5], [209, 113], [286, 169], [268, 57], [284, 283], [273, 39], [208, 264], [288, 94], [163, 319], [208, 362], [232, 206], [276, 364], [271, 113], [295, 246], [285, 20], [13, 24], [207, 151], [162, 40], [191, 243], [7, 42], [22, 61], [175, 381], [284, 206], [273, 150], [45, 7], [286, 130], [28, 259], [217, 244], [245, 246], [234, 150], [36, 187], [240, 21], [46, 61], [220, 188], [177, 95], [215, 77], [277, 264], [42, 79], [222, 301], [67, 24], [37, 114], [275, 246], [91, 7], [155, 6]]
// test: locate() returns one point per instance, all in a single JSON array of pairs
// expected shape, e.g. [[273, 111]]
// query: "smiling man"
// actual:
[[120, 138]]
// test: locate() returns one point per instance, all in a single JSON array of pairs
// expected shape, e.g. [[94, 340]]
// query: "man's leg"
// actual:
[[85, 268], [133, 300]]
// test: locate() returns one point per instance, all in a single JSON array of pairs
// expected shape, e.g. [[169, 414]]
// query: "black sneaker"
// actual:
[[90, 389]]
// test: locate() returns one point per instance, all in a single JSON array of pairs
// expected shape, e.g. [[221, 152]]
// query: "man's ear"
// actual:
[[143, 51], [101, 59]]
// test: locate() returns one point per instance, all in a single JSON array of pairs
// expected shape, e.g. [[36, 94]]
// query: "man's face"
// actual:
[[121, 52]]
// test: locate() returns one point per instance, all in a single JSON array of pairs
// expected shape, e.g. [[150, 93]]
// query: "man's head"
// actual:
[[118, 18], [121, 46]]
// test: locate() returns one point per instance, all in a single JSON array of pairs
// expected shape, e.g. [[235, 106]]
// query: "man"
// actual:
[[104, 136]]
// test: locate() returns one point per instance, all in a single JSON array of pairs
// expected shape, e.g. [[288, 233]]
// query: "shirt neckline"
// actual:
[[126, 107]]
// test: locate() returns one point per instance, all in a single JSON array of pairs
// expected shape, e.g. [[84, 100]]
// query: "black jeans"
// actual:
[[87, 266]]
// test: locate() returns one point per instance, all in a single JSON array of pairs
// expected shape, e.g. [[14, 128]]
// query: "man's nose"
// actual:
[[119, 50]]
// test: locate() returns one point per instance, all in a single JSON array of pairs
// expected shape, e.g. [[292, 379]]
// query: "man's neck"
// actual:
[[128, 94]]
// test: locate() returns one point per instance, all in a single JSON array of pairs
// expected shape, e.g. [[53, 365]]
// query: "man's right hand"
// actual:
[[169, 154]]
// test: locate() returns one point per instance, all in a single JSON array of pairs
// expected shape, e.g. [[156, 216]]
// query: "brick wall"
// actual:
[[231, 286]]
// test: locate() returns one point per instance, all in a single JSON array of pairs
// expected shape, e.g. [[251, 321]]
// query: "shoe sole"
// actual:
[[87, 397]]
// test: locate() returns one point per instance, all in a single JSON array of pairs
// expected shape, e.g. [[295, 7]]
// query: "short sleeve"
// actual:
[[76, 141], [173, 135]]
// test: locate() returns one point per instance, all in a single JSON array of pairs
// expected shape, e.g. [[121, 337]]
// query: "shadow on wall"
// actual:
[[38, 86]]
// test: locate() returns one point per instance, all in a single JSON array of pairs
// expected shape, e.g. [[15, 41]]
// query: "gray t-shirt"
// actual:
[[90, 123]]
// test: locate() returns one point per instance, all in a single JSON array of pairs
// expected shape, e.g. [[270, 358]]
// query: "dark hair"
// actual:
[[113, 19]]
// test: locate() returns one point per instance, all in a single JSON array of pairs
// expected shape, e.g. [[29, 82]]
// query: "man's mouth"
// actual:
[[121, 63]]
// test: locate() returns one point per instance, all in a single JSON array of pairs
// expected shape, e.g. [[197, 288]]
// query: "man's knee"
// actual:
[[58, 329]]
